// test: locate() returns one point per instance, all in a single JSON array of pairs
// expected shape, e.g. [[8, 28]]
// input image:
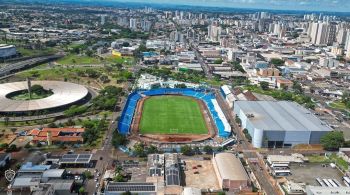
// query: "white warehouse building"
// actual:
[[279, 123]]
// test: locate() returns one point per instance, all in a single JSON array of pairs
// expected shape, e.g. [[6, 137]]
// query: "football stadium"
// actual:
[[173, 115]]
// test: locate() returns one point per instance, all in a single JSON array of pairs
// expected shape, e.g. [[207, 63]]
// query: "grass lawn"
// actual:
[[77, 59], [30, 52], [128, 61], [172, 115], [25, 96], [329, 159], [338, 105]]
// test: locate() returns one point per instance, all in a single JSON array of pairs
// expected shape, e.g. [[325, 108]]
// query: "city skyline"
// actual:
[[299, 5]]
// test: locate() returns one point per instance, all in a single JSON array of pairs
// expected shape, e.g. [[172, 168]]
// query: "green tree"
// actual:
[[297, 87], [152, 149], [139, 150], [208, 149], [264, 85], [89, 53], [118, 178], [11, 148], [119, 139], [88, 175], [38, 89], [332, 140], [218, 61], [186, 150], [81, 190], [182, 86], [277, 62]]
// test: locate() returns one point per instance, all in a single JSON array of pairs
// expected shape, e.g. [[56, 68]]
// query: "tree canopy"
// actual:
[[332, 140], [264, 85]]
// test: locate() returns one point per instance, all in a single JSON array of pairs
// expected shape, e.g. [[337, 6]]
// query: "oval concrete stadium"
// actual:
[[64, 94]]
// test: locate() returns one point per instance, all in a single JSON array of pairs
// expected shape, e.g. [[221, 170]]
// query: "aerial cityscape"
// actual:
[[160, 97]]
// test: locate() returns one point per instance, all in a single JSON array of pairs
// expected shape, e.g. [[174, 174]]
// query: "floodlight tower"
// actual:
[[29, 87]]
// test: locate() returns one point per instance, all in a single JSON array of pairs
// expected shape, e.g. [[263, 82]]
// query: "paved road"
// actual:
[[264, 179], [107, 153], [203, 64], [15, 67]]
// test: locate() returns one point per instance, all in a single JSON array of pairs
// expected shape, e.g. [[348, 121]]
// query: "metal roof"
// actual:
[[63, 94], [230, 167], [281, 116], [53, 173], [130, 187], [29, 167], [75, 159]]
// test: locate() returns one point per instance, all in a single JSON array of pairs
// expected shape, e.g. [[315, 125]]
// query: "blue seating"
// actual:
[[131, 103]]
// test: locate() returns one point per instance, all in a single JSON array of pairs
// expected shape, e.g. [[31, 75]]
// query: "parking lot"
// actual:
[[202, 176], [307, 174]]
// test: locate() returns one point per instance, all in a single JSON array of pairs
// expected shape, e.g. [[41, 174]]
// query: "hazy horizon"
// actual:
[[299, 5]]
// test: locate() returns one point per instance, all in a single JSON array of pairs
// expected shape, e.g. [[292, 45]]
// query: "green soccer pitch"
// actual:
[[172, 115]]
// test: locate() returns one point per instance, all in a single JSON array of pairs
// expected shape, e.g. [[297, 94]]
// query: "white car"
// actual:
[[97, 185]]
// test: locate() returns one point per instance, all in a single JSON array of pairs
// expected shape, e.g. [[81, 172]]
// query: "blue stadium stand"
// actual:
[[126, 117]]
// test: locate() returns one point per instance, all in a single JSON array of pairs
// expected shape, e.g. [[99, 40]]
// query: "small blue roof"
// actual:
[[149, 54], [30, 167]]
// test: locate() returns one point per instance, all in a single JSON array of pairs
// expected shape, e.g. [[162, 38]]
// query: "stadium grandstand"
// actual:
[[224, 129]]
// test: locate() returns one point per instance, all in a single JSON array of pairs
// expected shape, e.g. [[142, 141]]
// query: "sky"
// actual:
[[303, 5]]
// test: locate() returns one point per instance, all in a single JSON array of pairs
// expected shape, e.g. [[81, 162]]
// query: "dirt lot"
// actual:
[[311, 171], [206, 177]]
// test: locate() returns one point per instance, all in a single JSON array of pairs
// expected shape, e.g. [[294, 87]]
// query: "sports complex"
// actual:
[[64, 94], [173, 115]]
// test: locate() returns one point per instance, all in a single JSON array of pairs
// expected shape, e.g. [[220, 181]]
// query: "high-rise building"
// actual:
[[146, 25], [103, 19], [321, 38], [176, 36], [168, 14], [322, 33], [347, 39], [214, 32], [133, 23], [331, 33], [341, 36], [347, 46], [182, 15]]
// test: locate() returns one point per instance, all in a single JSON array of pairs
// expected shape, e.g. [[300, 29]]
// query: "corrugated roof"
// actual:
[[281, 115], [230, 167], [53, 173]]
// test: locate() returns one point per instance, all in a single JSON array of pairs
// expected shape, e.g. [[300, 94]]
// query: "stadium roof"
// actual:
[[63, 94], [281, 116], [230, 167]]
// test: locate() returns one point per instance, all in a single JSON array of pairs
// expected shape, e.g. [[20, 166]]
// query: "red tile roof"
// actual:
[[55, 134]]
